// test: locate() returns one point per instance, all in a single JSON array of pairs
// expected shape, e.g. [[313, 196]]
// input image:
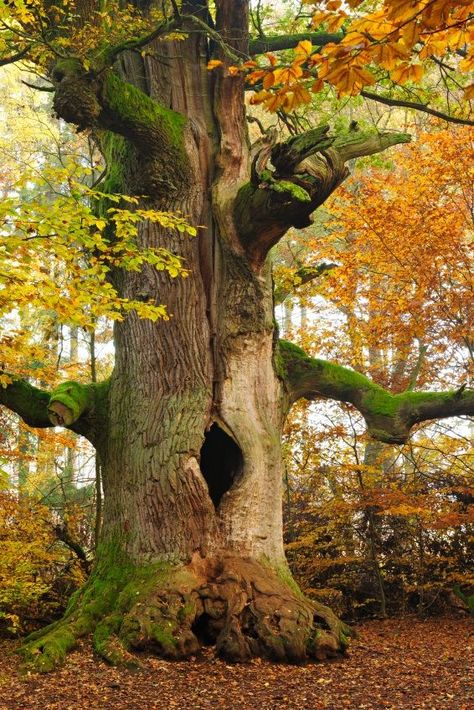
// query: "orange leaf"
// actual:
[[213, 63]]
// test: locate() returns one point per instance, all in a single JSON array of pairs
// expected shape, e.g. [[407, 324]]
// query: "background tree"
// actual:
[[188, 427]]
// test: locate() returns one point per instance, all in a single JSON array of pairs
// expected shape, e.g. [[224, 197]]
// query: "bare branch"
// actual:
[[14, 57], [424, 108], [49, 89]]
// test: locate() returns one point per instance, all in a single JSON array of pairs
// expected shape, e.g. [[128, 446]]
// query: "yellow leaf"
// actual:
[[467, 64], [268, 80], [407, 72], [287, 75], [275, 102], [259, 97], [304, 48], [271, 58], [335, 23], [317, 86], [5, 380], [255, 76]]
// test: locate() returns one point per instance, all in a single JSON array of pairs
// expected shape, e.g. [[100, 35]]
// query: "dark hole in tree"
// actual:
[[206, 629], [221, 462]]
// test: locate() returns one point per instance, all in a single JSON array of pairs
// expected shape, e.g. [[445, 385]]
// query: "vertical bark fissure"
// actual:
[[184, 535], [161, 390]]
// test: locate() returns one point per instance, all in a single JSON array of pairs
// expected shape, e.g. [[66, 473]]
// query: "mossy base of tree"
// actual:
[[244, 608]]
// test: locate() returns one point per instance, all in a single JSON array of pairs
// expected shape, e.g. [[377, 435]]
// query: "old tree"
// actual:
[[188, 427]]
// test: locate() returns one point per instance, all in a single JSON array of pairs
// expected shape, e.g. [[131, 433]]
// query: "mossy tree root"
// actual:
[[243, 608]]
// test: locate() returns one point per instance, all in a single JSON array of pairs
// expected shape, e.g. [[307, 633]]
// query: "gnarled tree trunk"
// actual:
[[188, 429], [189, 440]]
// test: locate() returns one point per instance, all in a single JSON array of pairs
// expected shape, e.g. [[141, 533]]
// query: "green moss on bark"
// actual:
[[67, 67], [121, 604], [74, 397], [389, 417], [29, 402], [294, 192], [45, 657], [118, 153], [134, 107], [283, 573]]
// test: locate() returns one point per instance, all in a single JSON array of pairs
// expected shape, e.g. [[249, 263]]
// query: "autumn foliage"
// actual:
[[37, 571], [372, 528], [395, 44]]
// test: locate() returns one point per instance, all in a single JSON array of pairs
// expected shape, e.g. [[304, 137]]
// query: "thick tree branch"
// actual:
[[81, 408], [68, 402], [388, 101], [260, 45], [153, 134], [304, 171], [29, 402], [389, 417]]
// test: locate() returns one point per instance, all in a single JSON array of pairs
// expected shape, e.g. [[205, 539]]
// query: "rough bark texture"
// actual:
[[188, 429], [191, 547]]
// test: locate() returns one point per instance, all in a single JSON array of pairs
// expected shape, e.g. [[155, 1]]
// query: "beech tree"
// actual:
[[188, 427]]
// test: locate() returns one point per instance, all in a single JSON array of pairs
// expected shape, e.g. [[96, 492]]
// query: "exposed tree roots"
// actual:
[[244, 608]]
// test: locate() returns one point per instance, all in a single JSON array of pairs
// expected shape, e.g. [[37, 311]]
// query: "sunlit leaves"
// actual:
[[60, 241], [66, 252], [48, 31], [395, 33], [27, 558], [405, 244], [32, 560], [392, 44], [398, 306]]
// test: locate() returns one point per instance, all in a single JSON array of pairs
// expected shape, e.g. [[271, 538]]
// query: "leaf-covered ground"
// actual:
[[394, 664]]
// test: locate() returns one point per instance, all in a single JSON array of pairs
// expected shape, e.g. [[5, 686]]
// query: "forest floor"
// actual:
[[398, 663]]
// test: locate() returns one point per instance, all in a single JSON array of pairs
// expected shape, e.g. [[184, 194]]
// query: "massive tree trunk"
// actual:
[[189, 441], [188, 429]]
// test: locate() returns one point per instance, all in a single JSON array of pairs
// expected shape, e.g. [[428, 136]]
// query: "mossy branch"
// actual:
[[276, 43], [30, 403], [154, 135], [304, 171], [389, 417], [81, 408], [68, 402]]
